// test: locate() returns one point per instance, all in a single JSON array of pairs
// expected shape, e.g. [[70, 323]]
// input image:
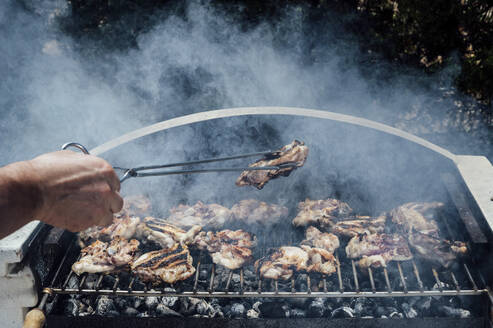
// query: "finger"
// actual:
[[113, 180], [115, 202], [106, 219]]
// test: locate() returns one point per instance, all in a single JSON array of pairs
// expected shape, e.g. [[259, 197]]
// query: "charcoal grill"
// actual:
[[465, 178]]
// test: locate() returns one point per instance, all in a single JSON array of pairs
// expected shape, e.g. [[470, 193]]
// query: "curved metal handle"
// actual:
[[75, 145]]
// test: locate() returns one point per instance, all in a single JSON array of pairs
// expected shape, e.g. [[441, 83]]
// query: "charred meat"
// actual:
[[231, 249], [316, 238], [320, 260], [320, 212], [358, 225], [378, 249], [251, 211], [282, 263], [416, 217], [294, 153], [164, 233], [121, 227], [442, 252], [212, 216], [168, 264], [106, 257]]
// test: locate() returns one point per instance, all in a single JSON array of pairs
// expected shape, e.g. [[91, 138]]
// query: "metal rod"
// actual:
[[241, 281], [83, 280], [439, 283], [115, 284], [259, 290], [197, 272], [98, 283], [131, 284], [276, 287], [203, 161], [293, 289], [456, 283], [401, 275], [308, 284], [213, 274], [228, 281], [325, 284], [355, 276], [372, 282], [339, 276], [464, 292], [474, 286], [387, 280], [418, 278]]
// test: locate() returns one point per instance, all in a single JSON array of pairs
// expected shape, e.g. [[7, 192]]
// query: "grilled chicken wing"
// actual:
[[231, 249], [358, 225], [168, 264], [296, 152], [251, 211], [212, 216], [378, 249], [106, 257], [320, 212], [164, 233], [416, 217], [442, 252], [323, 240], [282, 263]]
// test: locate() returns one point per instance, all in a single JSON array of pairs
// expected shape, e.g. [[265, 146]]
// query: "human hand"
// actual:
[[77, 191]]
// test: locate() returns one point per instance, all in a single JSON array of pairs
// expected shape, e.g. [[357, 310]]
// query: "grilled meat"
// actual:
[[231, 249], [212, 216], [358, 225], [251, 211], [416, 217], [106, 257], [296, 153], [168, 264], [323, 240], [320, 212], [442, 252], [164, 233], [282, 263], [320, 260], [378, 249], [124, 227]]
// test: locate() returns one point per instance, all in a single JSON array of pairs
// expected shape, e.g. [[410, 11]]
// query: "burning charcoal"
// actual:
[[137, 302], [271, 310], [423, 304], [380, 311], [171, 302], [90, 281], [256, 306], [235, 278], [359, 307], [72, 307], [286, 310], [144, 314], [121, 303], [237, 310], [105, 305], [252, 314], [409, 312], [203, 274], [204, 308], [367, 317], [453, 312], [73, 282], [316, 308], [151, 302], [297, 313], [164, 311], [342, 312], [130, 311], [297, 302], [249, 275], [396, 315]]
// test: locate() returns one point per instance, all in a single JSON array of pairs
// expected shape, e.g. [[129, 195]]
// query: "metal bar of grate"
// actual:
[[355, 276], [469, 276], [372, 282], [387, 280], [418, 278], [401, 275], [339, 276]]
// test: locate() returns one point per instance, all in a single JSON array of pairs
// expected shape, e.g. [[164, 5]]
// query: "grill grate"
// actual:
[[409, 283]]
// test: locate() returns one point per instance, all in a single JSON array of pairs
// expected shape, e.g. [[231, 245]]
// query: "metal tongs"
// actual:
[[137, 172]]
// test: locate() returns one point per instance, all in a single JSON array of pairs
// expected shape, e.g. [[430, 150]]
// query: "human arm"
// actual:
[[65, 189]]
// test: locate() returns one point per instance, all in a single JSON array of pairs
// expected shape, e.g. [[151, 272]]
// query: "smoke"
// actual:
[[55, 90]]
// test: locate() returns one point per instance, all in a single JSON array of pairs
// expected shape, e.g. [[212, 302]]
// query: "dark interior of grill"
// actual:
[[371, 171]]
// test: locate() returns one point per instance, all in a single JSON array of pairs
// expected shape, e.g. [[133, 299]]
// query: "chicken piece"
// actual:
[[320, 260], [168, 264], [296, 153], [212, 216], [390, 247], [320, 212], [135, 205], [252, 211], [318, 239], [442, 252], [282, 263], [164, 233], [125, 227], [358, 225], [106, 257], [231, 249], [417, 217]]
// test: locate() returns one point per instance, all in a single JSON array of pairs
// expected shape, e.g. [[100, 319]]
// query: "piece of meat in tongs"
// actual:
[[293, 153], [231, 249], [105, 257]]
